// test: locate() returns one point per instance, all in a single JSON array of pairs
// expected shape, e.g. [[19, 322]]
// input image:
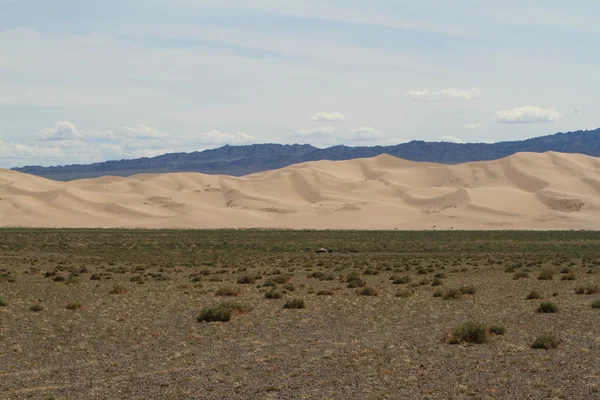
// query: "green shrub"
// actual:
[[227, 291], [547, 307], [294, 303], [222, 312], [546, 342], [2, 302], [438, 293], [533, 295], [497, 330], [596, 304], [469, 332], [437, 282]]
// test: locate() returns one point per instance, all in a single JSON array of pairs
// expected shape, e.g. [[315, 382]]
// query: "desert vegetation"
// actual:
[[257, 313]]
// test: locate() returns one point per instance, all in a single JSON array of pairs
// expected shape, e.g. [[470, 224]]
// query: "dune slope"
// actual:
[[524, 191]]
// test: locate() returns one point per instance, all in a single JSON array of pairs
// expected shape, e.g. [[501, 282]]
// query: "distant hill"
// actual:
[[243, 160]]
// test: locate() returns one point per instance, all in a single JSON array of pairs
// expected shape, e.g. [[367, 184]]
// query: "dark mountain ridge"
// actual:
[[243, 160]]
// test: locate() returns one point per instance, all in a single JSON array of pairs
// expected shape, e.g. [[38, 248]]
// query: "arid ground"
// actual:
[[113, 314]]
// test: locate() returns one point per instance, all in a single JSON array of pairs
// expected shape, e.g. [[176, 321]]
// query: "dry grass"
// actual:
[[144, 341]]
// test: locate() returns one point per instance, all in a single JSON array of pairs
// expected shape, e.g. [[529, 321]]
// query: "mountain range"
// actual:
[[243, 160]]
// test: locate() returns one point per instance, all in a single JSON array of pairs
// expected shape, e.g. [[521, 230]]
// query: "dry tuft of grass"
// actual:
[[546, 342], [469, 332]]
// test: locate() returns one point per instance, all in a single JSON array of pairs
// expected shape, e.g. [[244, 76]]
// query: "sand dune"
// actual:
[[523, 191]]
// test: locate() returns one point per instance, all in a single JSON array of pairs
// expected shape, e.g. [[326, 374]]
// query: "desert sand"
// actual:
[[548, 191]]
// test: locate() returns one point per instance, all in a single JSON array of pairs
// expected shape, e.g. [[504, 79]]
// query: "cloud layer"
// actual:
[[444, 94], [328, 116], [527, 114]]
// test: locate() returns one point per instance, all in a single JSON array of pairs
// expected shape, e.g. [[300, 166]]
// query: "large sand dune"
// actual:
[[523, 191]]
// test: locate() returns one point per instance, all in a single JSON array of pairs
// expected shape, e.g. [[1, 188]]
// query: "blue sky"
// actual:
[[84, 81]]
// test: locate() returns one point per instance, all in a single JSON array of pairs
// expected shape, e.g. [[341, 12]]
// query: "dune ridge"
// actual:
[[524, 191]]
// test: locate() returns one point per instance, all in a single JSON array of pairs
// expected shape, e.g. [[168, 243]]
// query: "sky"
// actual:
[[86, 80]]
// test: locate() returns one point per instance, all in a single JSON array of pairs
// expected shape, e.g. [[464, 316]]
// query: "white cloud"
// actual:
[[452, 139], [320, 131], [108, 135], [328, 116], [62, 130], [144, 132], [444, 94], [474, 125], [527, 114], [217, 137], [23, 151], [365, 133]]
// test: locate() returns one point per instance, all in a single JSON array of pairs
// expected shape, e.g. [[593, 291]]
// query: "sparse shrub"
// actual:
[[354, 281], [74, 306], [547, 307], [280, 279], [546, 275], [438, 293], [289, 287], [566, 270], [59, 278], [405, 293], [596, 304], [2, 302], [118, 290], [546, 342], [95, 277], [294, 303], [453, 294], [222, 312], [520, 275], [273, 294], [227, 291], [568, 277], [403, 280], [324, 293], [533, 295], [370, 271], [497, 330], [468, 290], [36, 308], [469, 332], [367, 291], [437, 282], [246, 280], [440, 275], [589, 289]]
